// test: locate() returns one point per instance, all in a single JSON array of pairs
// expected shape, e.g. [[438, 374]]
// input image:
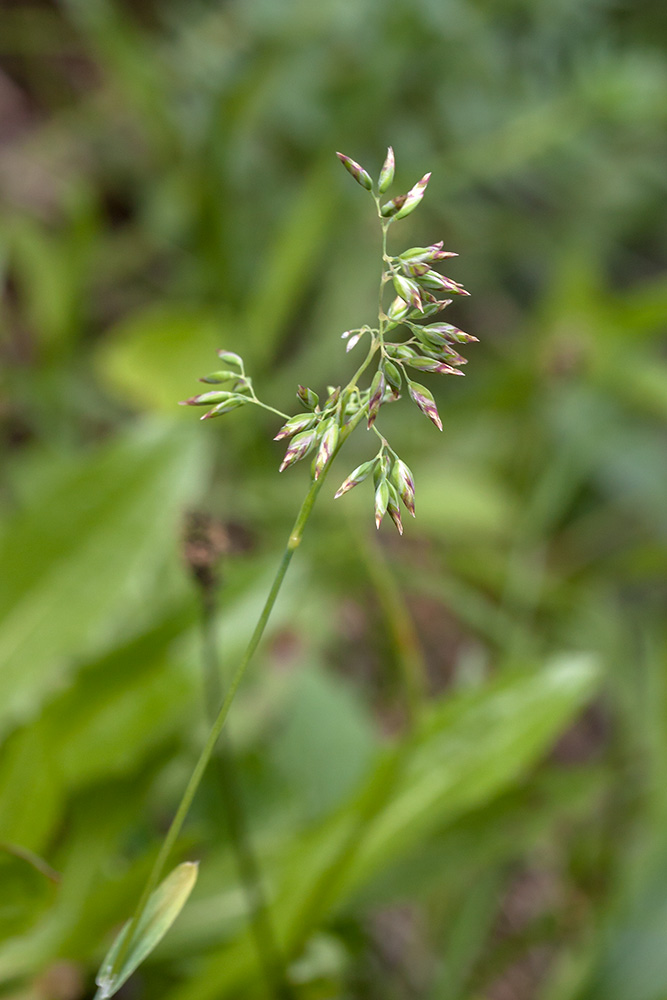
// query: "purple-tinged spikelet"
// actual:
[[413, 197], [405, 484], [378, 386], [298, 448], [387, 172], [424, 400], [357, 171], [355, 477]]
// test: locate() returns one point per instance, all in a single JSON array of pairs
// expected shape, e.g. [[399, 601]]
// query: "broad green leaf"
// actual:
[[472, 749], [288, 268], [475, 745], [28, 761], [87, 561], [326, 742], [163, 907], [155, 357]]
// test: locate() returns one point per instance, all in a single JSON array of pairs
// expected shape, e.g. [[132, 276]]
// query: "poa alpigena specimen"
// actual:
[[321, 430]]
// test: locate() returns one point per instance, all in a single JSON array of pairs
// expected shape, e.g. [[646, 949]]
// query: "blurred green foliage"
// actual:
[[169, 187]]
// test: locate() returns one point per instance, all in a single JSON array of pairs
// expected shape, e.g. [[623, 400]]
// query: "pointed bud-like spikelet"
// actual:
[[381, 501], [217, 378], [390, 209], [444, 353], [431, 365], [408, 291], [424, 400], [221, 408], [439, 283], [404, 481], [309, 398], [298, 448], [294, 426], [432, 305], [231, 358], [439, 254], [451, 333], [376, 396], [357, 171], [400, 351], [413, 197], [352, 342], [393, 377], [414, 270], [418, 255], [387, 172], [334, 395], [355, 477], [206, 398], [397, 312], [382, 469], [394, 510], [326, 449]]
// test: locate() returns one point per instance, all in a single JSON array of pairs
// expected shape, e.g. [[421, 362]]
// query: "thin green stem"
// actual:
[[38, 863], [271, 409], [268, 952], [197, 774], [400, 626], [413, 672]]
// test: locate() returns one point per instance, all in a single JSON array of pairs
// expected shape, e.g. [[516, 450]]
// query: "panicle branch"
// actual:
[[421, 346]]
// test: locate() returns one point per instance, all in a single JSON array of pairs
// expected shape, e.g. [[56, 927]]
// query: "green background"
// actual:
[[169, 187]]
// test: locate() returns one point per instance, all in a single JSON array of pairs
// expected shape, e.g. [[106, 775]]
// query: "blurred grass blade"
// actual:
[[473, 747], [88, 558], [163, 907]]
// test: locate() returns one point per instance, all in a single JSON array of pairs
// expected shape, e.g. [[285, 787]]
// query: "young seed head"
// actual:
[[443, 352], [414, 270], [376, 396], [432, 305], [397, 312], [394, 510], [334, 395], [299, 447], [206, 398], [451, 333], [393, 377], [357, 171], [309, 398], [355, 477], [440, 283], [326, 449], [387, 172], [390, 209], [405, 484], [424, 400], [381, 501], [231, 358], [216, 378], [294, 426], [221, 408], [400, 351], [416, 255], [431, 365], [408, 291], [413, 197]]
